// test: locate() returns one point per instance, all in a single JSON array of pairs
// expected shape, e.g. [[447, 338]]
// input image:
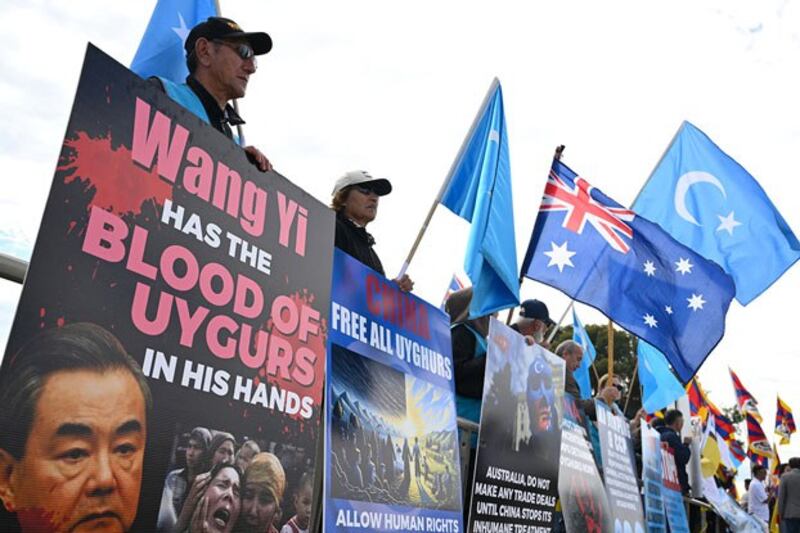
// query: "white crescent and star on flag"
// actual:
[[685, 182]]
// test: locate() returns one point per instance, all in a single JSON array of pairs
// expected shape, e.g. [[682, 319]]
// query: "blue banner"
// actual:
[[652, 480], [392, 447]]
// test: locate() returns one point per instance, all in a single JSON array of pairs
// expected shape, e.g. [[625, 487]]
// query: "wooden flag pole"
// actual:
[[438, 199], [633, 381], [610, 352]]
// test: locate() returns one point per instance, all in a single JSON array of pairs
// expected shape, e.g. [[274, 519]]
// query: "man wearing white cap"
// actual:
[[355, 200]]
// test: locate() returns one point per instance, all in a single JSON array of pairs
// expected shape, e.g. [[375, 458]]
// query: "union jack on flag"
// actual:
[[575, 199], [628, 268]]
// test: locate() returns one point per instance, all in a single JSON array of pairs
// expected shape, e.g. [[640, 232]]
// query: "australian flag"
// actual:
[[599, 253]]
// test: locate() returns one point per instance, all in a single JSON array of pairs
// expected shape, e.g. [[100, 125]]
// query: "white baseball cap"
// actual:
[[381, 186]]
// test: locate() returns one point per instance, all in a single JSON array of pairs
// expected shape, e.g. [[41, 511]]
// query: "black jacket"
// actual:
[[682, 454], [356, 242]]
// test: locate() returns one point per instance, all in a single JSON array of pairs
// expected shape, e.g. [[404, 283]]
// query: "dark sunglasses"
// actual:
[[364, 189], [244, 50]]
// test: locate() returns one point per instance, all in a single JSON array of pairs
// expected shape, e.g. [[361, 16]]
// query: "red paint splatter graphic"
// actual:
[[316, 343], [120, 185]]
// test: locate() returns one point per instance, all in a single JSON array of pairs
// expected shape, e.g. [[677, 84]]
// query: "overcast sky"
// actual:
[[393, 87]]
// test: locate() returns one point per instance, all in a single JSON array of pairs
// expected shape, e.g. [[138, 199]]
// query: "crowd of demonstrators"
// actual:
[[356, 195], [222, 487]]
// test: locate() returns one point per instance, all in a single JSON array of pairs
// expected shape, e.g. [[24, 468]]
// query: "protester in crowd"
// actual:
[[299, 523], [74, 418], [468, 337], [263, 485], [789, 498], [246, 453], [179, 481], [572, 354], [221, 449], [745, 494], [533, 322], [355, 200], [671, 434], [758, 496], [220, 57]]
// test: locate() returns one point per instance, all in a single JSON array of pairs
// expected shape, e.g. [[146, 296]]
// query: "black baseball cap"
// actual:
[[222, 28], [535, 309]]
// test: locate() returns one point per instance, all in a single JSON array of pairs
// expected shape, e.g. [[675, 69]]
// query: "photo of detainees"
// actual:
[[73, 428], [523, 392], [218, 484], [390, 441]]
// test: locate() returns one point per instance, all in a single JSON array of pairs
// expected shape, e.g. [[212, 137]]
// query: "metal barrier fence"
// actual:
[[11, 268]]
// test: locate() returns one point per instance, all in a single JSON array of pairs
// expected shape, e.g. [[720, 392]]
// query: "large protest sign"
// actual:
[[392, 445], [584, 504], [175, 307], [516, 470], [652, 480], [673, 499], [619, 471]]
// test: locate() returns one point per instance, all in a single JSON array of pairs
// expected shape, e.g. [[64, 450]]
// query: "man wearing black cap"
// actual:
[[534, 319], [355, 200], [220, 57]]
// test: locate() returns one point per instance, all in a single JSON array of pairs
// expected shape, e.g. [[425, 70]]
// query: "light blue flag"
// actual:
[[478, 189], [161, 51], [581, 374], [660, 387], [707, 201]]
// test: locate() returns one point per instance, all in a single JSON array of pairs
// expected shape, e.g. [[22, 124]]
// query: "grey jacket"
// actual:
[[789, 495]]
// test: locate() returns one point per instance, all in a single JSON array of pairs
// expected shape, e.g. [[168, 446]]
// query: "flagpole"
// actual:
[[610, 371], [559, 151], [630, 389], [437, 200], [660, 159], [239, 129]]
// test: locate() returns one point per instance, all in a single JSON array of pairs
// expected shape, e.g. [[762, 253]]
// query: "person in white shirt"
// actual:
[[758, 496]]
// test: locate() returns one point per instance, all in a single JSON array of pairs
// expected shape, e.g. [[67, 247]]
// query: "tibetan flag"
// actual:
[[724, 427], [455, 285], [784, 422], [708, 202], [699, 404], [581, 374], [478, 189], [747, 404], [161, 50], [591, 248], [737, 452], [758, 447]]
